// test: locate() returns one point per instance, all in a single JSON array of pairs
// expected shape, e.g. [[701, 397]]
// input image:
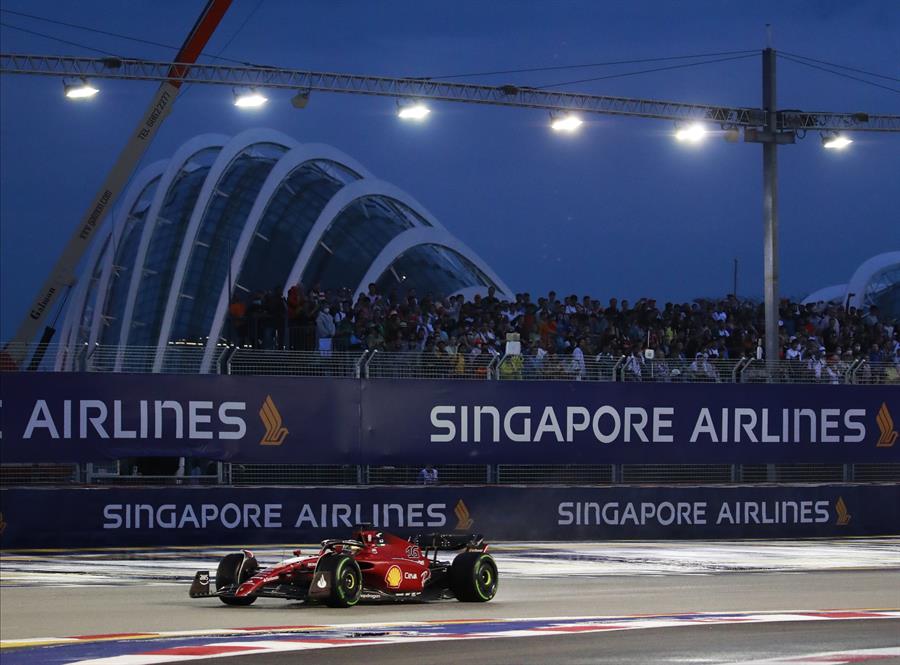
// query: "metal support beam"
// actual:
[[384, 86], [422, 88], [770, 209]]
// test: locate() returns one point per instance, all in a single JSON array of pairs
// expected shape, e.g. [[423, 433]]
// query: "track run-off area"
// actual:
[[687, 601]]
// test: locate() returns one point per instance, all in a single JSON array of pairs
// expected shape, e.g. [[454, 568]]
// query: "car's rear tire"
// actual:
[[346, 580], [233, 571], [473, 577]]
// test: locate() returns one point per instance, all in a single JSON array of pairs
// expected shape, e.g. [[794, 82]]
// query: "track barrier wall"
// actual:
[[270, 420], [75, 417], [103, 517]]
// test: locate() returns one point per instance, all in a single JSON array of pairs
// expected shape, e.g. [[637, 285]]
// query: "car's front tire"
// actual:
[[473, 577], [232, 571], [346, 580]]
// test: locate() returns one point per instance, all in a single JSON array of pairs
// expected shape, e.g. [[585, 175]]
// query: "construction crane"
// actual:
[[15, 353], [766, 125]]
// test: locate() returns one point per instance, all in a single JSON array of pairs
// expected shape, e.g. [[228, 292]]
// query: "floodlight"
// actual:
[[416, 111], [249, 99], [566, 122], [691, 134], [80, 90], [835, 141]]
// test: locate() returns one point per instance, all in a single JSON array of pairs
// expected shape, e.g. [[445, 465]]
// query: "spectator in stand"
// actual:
[[237, 314], [325, 330], [579, 369], [428, 475], [574, 337]]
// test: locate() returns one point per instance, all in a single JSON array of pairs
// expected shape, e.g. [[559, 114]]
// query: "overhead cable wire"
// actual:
[[645, 71], [842, 74], [832, 64], [117, 35], [240, 28], [526, 70], [580, 66], [58, 39], [218, 56]]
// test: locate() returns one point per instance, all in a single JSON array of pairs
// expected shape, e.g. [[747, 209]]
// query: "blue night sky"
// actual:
[[619, 209]]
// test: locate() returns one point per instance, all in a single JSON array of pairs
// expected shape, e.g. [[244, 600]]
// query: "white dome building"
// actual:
[[875, 282], [258, 211]]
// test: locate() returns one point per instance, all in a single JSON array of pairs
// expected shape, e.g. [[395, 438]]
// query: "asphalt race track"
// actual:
[[819, 601]]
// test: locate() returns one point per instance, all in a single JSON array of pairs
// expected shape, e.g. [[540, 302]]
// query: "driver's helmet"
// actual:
[[376, 538]]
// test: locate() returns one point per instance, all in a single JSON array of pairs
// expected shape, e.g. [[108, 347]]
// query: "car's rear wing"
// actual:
[[446, 542]]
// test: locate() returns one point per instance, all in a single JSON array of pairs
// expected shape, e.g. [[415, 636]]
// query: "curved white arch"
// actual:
[[425, 236], [177, 162], [866, 271], [229, 153], [345, 197], [835, 292], [144, 179], [283, 169]]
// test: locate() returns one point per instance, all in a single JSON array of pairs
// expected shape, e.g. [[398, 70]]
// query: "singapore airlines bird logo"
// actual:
[[886, 426], [271, 419], [843, 517], [464, 519]]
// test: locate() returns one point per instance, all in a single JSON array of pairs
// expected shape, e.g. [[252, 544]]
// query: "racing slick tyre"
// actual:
[[231, 573], [473, 577], [346, 580]]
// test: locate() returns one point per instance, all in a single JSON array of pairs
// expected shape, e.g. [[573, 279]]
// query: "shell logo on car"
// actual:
[[394, 577]]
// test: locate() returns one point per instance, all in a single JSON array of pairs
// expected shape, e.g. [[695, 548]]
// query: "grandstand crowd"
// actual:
[[569, 335]]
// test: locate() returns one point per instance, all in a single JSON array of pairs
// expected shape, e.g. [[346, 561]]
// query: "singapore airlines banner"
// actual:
[[94, 517], [92, 417]]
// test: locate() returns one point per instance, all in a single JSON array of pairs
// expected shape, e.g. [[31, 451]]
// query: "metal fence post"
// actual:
[[617, 376], [357, 367], [367, 363]]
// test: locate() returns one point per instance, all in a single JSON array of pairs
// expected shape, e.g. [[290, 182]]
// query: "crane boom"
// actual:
[[423, 88], [63, 273]]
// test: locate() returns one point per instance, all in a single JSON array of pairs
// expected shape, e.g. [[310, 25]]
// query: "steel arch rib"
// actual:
[[425, 236], [866, 271], [284, 168], [144, 179], [228, 154], [177, 162], [340, 201]]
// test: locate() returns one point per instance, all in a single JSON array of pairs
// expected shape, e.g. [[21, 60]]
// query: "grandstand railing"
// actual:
[[331, 475], [377, 364]]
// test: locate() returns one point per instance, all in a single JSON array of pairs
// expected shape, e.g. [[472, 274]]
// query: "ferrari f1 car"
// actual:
[[371, 565]]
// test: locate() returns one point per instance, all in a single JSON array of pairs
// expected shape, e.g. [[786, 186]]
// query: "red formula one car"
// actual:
[[370, 565]]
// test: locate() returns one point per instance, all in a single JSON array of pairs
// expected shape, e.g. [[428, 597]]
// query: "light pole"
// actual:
[[771, 138]]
